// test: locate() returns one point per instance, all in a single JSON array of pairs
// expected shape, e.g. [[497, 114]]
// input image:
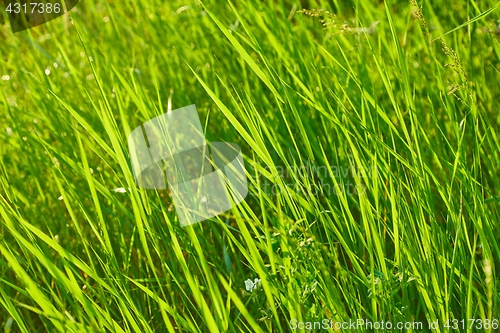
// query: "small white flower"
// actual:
[[248, 285], [120, 190], [251, 285]]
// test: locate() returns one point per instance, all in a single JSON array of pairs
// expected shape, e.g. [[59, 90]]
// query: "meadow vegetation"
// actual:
[[405, 91]]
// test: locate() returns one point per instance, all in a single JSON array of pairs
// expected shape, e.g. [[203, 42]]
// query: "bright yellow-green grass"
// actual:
[[370, 134]]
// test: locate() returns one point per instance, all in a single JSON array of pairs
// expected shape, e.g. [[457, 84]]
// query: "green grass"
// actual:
[[372, 159]]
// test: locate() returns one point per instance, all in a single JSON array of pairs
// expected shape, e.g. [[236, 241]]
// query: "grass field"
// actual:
[[370, 136]]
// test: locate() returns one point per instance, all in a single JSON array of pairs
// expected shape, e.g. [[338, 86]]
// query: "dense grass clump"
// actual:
[[370, 137]]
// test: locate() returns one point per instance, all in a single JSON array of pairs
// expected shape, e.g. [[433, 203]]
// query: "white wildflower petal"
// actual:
[[256, 283], [249, 285]]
